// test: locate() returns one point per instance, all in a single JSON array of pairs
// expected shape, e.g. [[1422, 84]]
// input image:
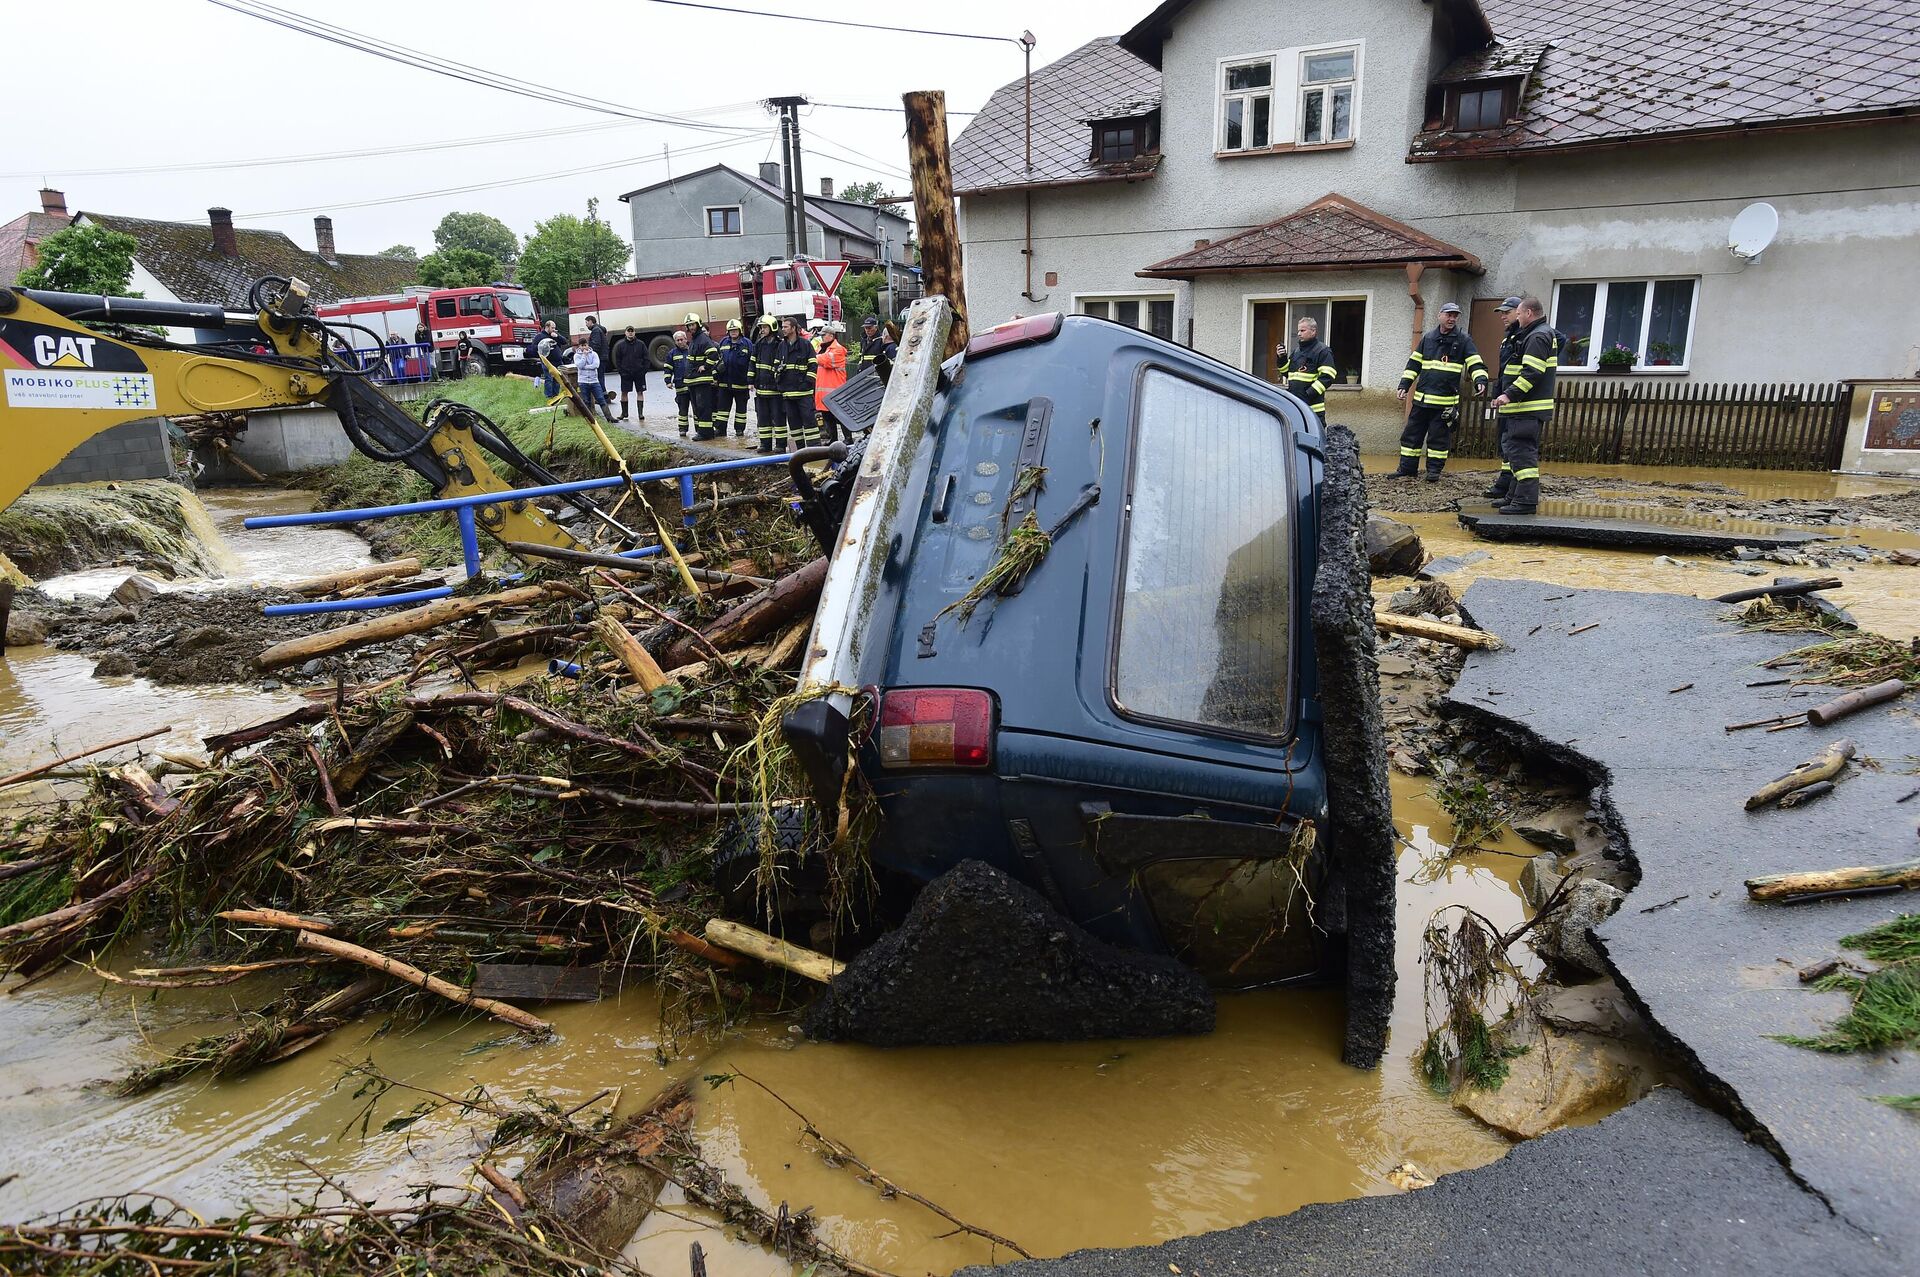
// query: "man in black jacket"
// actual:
[[795, 361], [1435, 369], [1525, 405], [597, 339], [1503, 482], [704, 355], [632, 362], [768, 423], [1309, 369]]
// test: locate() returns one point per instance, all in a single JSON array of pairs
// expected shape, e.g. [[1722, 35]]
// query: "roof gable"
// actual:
[[181, 256], [1097, 81], [817, 209], [1146, 36], [20, 235], [1619, 71], [1332, 233]]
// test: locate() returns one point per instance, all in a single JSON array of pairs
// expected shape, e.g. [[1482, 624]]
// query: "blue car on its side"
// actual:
[[1133, 730]]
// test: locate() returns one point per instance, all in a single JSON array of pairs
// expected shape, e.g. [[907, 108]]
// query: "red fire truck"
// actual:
[[657, 304], [498, 319]]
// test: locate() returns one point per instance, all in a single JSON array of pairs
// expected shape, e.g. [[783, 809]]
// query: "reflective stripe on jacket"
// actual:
[[765, 366], [679, 368], [1309, 370], [794, 367], [1530, 389], [704, 357], [1437, 365], [736, 361]]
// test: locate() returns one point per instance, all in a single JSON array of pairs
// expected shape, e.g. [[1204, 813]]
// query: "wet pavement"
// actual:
[[1712, 969]]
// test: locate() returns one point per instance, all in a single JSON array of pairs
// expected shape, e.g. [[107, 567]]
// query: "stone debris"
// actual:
[[1559, 1078]]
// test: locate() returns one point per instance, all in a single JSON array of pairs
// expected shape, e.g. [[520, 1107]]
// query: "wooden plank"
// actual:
[[536, 982]]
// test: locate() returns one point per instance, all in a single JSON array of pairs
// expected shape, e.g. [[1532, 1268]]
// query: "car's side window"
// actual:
[[1204, 608]]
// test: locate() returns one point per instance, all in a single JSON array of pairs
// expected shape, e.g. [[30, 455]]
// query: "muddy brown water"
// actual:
[[1058, 1146]]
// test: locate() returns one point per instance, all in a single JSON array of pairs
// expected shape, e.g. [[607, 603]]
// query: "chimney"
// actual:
[[53, 203], [323, 237], [225, 242], [770, 173], [826, 187]]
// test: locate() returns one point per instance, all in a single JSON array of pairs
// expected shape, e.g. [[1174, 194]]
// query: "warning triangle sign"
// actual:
[[831, 273]]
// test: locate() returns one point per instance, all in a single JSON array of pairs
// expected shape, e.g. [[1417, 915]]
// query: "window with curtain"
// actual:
[[1653, 318]]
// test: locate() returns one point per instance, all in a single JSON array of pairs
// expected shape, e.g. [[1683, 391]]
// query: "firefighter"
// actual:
[[793, 377], [876, 351], [734, 379], [1309, 369], [1503, 482], [704, 355], [1525, 405], [680, 378], [766, 397], [830, 373], [1434, 372]]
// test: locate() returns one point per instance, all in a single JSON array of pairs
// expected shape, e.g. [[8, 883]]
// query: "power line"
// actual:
[[890, 110], [834, 22], [270, 161], [470, 74]]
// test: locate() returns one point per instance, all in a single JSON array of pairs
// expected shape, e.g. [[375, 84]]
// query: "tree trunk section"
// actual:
[[756, 617], [378, 629], [933, 206]]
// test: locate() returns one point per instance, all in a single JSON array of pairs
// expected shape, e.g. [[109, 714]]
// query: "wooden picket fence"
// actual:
[[1626, 420]]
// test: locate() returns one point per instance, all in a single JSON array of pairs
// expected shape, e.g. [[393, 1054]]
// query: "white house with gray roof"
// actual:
[[1228, 166]]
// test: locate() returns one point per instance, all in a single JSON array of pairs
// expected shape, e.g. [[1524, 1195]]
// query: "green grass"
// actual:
[[564, 444], [1895, 941], [1885, 1012], [1906, 1103], [145, 522]]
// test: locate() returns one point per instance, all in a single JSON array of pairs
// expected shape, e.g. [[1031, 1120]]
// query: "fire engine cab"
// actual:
[[499, 320]]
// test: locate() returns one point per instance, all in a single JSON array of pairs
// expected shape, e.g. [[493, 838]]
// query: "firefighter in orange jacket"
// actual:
[[829, 377]]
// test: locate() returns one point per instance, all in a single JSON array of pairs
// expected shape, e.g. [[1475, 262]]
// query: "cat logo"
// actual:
[[50, 351]]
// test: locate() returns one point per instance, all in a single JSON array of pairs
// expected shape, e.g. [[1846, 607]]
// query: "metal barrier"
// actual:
[[396, 364], [463, 509]]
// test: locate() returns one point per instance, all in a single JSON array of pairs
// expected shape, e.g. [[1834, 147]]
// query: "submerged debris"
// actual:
[[1886, 1002]]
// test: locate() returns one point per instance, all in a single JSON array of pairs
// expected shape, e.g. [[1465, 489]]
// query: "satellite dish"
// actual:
[[1753, 230]]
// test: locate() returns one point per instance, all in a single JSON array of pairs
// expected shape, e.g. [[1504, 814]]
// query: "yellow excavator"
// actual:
[[75, 364]]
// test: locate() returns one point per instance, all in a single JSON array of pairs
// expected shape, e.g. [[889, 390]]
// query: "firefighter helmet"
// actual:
[[693, 318], [733, 325]]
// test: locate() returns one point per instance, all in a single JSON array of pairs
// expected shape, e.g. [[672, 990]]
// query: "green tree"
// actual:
[[84, 259], [405, 252], [565, 250], [479, 232], [862, 295], [459, 268], [865, 192]]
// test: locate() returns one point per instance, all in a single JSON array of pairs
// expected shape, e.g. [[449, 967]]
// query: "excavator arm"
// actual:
[[64, 382]]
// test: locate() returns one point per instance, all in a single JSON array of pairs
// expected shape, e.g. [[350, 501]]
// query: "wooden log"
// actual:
[[1780, 589], [32, 773], [1827, 882], [614, 563], [1825, 765], [275, 918], [1855, 701], [772, 949], [788, 645], [1801, 797], [226, 742], [431, 983], [351, 770], [755, 617], [81, 910], [536, 982], [939, 230], [1439, 631], [234, 459], [356, 576], [645, 670], [147, 796], [378, 629]]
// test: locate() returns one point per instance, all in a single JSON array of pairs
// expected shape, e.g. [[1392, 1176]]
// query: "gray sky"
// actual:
[[182, 82]]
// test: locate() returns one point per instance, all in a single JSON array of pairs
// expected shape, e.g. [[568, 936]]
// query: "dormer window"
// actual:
[[1119, 141], [1476, 107]]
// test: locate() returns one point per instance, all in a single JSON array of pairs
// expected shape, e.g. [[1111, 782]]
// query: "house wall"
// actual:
[[670, 227], [1831, 298]]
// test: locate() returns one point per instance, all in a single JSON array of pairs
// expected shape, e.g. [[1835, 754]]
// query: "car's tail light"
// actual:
[[936, 727], [1016, 332]]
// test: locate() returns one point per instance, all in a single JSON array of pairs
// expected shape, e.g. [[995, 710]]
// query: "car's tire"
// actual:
[[476, 366], [659, 350]]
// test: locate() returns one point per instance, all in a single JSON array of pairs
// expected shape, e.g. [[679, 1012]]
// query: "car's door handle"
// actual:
[[943, 504]]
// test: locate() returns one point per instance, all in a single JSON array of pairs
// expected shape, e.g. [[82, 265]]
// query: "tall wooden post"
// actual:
[[933, 205]]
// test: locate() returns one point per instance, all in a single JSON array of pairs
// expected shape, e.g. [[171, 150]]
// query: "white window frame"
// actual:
[[1601, 287], [1079, 300], [738, 213], [1367, 363], [1288, 95], [1327, 87]]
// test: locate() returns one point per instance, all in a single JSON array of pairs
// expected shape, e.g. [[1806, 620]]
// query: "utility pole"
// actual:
[[933, 205], [796, 191]]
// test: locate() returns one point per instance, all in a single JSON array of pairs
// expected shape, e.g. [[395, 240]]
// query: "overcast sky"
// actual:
[[183, 82]]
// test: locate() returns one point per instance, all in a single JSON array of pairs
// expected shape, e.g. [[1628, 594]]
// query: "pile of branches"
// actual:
[[377, 844]]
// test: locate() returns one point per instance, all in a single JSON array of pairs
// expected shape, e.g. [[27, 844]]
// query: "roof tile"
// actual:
[[1331, 232], [181, 256], [1097, 81]]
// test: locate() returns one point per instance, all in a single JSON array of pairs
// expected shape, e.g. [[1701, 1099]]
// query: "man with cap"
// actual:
[[704, 354], [1508, 365], [632, 362], [876, 351], [1433, 374], [1309, 369], [766, 393], [679, 377], [735, 376], [1525, 404]]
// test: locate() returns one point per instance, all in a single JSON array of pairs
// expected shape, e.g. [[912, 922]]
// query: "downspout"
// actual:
[[1026, 44], [1414, 271]]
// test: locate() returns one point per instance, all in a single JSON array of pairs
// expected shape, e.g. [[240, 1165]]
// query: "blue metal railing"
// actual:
[[464, 509], [398, 364]]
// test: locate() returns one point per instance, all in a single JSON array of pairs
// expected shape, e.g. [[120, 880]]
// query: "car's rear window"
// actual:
[[1204, 615]]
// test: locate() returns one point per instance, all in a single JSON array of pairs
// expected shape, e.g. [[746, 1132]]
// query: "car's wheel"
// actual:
[[476, 366], [659, 350]]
